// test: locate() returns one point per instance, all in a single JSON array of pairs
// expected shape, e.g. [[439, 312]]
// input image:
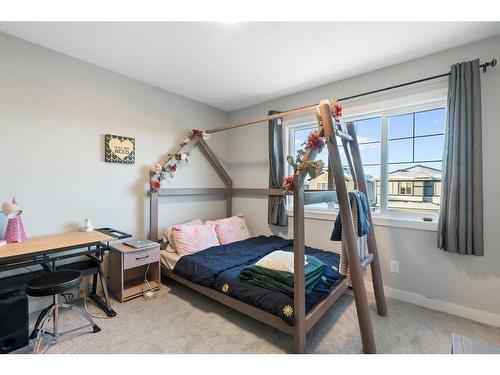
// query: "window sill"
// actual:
[[378, 220]]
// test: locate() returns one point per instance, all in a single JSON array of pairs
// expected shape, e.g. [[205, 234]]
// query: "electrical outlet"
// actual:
[[394, 266]]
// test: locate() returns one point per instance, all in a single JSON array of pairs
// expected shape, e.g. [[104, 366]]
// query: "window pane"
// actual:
[[430, 122], [429, 148], [368, 130], [418, 186], [400, 126], [370, 153], [372, 178], [343, 158], [300, 137], [400, 150]]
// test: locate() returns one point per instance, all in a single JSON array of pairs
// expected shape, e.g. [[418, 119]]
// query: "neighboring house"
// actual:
[[414, 188], [415, 184]]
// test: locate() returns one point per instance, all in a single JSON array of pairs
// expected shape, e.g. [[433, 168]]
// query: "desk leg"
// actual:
[[105, 304]]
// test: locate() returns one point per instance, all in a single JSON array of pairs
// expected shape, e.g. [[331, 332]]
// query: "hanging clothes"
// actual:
[[363, 224]]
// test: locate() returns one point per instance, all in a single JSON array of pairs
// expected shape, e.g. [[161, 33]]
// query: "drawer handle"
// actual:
[[141, 258]]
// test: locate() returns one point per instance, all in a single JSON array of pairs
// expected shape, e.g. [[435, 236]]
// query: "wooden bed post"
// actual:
[[378, 286], [348, 233], [216, 164], [153, 216], [229, 199], [299, 291]]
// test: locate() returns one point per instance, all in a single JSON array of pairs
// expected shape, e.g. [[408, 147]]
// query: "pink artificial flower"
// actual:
[[155, 185], [196, 132], [314, 141], [288, 183], [337, 111], [156, 168]]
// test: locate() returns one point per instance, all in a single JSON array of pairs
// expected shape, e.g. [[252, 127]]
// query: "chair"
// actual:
[[53, 284]]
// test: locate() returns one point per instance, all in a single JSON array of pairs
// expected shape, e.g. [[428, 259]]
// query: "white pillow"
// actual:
[[168, 236]]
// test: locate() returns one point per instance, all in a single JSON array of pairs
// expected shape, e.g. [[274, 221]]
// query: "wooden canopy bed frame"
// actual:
[[303, 322]]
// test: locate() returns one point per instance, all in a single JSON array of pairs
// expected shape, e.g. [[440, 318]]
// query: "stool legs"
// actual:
[[44, 312], [83, 313], [43, 322], [55, 330], [52, 312]]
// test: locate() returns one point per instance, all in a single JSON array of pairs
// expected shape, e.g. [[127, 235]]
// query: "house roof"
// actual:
[[416, 172]]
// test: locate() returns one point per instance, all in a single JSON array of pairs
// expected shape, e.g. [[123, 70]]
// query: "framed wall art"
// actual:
[[119, 149]]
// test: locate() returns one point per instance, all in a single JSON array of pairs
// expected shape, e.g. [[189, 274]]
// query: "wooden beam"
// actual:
[[257, 191], [256, 120], [153, 216], [348, 233], [378, 285], [345, 145], [229, 200], [299, 279], [191, 191], [207, 151]]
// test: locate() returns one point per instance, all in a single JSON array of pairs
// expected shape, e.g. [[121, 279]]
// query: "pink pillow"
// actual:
[[168, 236], [231, 229], [190, 239]]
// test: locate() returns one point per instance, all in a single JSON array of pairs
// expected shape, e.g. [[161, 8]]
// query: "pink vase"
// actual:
[[15, 229]]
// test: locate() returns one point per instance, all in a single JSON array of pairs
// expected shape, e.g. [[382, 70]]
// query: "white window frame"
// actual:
[[386, 216]]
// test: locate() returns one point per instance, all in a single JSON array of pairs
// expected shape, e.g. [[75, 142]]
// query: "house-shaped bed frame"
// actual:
[[303, 322]]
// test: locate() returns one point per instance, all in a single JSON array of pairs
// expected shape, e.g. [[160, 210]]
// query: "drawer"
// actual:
[[141, 258]]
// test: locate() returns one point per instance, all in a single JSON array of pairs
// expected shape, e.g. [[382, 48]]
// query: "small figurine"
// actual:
[[87, 226]]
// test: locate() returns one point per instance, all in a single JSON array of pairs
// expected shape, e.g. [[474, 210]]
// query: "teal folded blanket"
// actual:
[[282, 281]]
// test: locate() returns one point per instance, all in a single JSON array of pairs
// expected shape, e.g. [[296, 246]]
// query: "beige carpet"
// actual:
[[180, 320]]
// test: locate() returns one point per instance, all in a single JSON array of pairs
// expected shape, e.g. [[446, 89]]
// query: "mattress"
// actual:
[[219, 267]]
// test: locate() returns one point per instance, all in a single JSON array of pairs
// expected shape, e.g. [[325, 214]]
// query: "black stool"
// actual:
[[53, 284]]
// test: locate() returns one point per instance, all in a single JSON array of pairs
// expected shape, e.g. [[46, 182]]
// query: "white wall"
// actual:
[[54, 112], [426, 273]]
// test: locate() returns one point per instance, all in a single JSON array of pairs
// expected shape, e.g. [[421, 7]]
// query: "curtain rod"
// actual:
[[311, 107]]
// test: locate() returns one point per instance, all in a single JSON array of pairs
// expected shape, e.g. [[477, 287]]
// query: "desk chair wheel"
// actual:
[[53, 284]]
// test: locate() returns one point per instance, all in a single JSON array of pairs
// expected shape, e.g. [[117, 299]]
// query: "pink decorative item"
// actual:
[[15, 228], [231, 229], [190, 239]]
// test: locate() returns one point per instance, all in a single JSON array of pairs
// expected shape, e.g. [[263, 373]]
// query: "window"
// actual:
[[401, 150]]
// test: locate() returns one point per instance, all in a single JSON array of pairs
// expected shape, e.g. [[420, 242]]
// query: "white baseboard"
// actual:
[[446, 307]]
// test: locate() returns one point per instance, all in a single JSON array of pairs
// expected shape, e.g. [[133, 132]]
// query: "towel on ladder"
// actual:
[[362, 243], [363, 223]]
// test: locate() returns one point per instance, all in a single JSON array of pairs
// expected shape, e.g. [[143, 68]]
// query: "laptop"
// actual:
[[140, 244]]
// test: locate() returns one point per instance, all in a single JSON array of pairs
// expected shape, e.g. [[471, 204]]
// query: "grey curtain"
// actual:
[[460, 228], [276, 213]]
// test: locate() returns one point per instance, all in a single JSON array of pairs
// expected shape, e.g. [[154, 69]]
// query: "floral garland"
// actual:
[[160, 172], [314, 143]]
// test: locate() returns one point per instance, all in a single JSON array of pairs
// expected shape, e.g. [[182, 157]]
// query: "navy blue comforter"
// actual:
[[219, 268]]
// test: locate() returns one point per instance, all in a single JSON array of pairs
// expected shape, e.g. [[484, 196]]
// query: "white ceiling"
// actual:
[[231, 66]]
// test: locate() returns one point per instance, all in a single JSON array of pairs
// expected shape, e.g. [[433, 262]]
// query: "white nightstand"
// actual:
[[127, 268]]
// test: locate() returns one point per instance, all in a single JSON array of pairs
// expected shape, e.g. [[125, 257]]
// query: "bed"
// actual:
[[216, 276], [218, 268]]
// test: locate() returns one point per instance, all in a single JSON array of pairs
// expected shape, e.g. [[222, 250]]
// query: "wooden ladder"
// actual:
[[349, 231]]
